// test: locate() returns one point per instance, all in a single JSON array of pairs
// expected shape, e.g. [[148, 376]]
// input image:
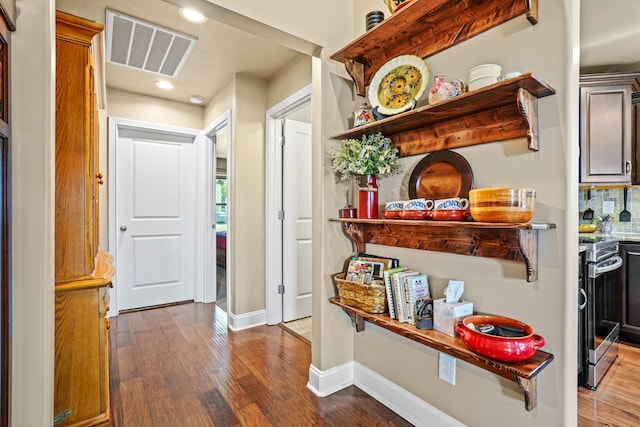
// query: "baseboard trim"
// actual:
[[324, 383], [407, 405], [238, 322]]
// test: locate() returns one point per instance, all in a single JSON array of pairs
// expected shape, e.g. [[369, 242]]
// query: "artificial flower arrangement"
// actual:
[[370, 155]]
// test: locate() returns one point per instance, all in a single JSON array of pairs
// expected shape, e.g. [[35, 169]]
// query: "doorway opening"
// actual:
[[288, 209]]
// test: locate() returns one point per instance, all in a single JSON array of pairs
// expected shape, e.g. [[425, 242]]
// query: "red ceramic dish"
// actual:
[[417, 214], [506, 349], [449, 214], [391, 214]]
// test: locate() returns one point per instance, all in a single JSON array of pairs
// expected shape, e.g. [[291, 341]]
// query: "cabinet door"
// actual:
[[630, 319], [605, 134], [81, 354]]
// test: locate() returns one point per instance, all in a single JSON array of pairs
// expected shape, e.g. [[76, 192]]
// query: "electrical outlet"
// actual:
[[608, 207], [447, 368]]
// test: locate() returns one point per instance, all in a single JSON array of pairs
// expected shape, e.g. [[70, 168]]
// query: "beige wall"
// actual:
[[126, 105], [32, 186], [247, 195], [288, 81]]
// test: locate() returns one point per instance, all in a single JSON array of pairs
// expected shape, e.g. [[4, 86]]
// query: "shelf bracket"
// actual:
[[356, 234], [356, 71], [356, 319], [528, 244], [532, 11], [528, 106], [529, 388]]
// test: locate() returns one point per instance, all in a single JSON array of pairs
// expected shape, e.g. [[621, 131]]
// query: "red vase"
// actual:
[[368, 197]]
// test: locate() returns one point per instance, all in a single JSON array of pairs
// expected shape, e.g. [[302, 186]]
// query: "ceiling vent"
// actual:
[[146, 46]]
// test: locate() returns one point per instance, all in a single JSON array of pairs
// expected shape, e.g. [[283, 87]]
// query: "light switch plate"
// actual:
[[608, 207]]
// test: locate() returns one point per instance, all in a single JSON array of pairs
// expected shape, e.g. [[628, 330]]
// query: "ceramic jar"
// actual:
[[363, 115]]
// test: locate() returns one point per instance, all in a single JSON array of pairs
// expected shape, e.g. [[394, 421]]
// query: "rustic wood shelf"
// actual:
[[504, 110], [509, 241], [523, 373], [424, 28]]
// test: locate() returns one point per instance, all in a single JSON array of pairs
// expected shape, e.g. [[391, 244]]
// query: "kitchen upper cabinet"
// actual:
[[607, 130], [630, 310]]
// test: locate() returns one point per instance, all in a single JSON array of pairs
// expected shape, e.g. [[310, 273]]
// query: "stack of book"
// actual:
[[407, 293]]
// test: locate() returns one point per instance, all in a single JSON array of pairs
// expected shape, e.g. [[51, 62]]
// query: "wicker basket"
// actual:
[[370, 298]]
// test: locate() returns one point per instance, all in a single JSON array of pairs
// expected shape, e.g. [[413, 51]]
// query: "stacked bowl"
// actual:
[[483, 75]]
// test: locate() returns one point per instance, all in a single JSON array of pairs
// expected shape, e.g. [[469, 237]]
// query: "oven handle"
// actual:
[[608, 267], [584, 295]]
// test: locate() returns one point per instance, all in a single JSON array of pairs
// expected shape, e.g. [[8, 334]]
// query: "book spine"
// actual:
[[387, 285], [407, 301], [398, 296]]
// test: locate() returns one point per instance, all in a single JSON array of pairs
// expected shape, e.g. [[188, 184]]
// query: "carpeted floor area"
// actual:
[[300, 327]]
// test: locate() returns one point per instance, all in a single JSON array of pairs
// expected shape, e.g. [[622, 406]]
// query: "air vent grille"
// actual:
[[145, 46]]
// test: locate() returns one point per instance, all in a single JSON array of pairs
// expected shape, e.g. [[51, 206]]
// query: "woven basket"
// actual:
[[370, 298]]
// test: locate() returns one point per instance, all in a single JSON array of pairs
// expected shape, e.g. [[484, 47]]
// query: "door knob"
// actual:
[[123, 228]]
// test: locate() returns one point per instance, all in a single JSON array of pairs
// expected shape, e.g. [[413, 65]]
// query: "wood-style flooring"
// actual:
[[616, 402], [181, 366]]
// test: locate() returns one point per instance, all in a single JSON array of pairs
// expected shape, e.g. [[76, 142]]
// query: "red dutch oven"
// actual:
[[503, 348]]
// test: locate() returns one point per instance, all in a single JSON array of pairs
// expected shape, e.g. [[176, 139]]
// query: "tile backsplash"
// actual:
[[615, 195]]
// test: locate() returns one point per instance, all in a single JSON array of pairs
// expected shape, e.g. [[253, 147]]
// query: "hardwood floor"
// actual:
[[180, 366], [615, 402]]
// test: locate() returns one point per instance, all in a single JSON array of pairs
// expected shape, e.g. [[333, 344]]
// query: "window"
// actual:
[[221, 201]]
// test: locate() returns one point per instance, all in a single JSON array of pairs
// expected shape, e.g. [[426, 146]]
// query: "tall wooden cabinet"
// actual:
[[81, 352], [607, 128]]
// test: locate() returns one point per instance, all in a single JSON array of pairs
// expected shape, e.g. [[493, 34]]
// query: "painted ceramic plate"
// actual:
[[398, 83], [441, 175]]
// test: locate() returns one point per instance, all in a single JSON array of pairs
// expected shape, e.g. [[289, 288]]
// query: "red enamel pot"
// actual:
[[521, 346]]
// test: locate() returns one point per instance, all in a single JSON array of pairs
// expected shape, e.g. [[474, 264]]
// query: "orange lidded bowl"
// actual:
[[502, 204]]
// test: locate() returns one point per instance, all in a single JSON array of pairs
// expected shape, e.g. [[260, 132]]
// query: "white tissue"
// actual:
[[453, 291]]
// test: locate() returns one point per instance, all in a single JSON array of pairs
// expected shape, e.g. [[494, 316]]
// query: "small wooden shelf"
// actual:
[[504, 110], [523, 373], [424, 28], [509, 241]]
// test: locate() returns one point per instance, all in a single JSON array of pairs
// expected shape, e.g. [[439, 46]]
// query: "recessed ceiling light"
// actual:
[[196, 99], [163, 84], [192, 15]]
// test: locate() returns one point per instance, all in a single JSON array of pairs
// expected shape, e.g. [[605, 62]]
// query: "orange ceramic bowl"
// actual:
[[391, 214], [414, 214], [502, 204], [503, 348], [449, 214]]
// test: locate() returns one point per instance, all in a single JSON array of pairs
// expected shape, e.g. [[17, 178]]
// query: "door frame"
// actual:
[[114, 124], [273, 200], [206, 209]]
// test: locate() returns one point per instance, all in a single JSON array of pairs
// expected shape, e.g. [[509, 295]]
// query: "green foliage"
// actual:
[[371, 155]]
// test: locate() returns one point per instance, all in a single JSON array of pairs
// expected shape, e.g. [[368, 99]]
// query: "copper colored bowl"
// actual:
[[414, 214], [449, 214], [502, 204], [391, 214], [503, 348]]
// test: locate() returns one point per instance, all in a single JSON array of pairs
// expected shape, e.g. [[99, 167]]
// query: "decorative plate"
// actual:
[[398, 84], [441, 175]]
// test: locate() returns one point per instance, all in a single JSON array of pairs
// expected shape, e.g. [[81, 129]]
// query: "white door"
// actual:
[[155, 205], [296, 227]]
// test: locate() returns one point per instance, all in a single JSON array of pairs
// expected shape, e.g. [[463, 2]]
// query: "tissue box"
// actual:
[[446, 315]]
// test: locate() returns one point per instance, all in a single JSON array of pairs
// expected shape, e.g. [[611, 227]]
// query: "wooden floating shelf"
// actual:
[[523, 373], [508, 241], [424, 28], [501, 111]]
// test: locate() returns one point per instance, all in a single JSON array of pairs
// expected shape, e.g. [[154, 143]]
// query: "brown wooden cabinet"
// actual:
[[629, 311], [81, 362], [607, 130]]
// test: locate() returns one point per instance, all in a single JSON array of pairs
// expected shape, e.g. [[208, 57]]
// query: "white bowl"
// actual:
[[481, 82], [485, 70]]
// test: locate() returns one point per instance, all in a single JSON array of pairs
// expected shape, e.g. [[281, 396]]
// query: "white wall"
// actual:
[[32, 175]]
